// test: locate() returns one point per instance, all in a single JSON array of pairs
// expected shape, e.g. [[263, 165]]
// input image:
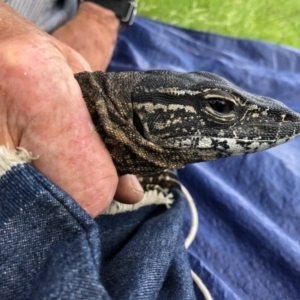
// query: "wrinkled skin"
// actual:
[[42, 109]]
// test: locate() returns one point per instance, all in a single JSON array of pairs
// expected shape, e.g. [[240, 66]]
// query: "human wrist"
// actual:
[[92, 33], [99, 15]]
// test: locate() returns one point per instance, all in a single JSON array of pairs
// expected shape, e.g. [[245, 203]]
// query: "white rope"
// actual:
[[201, 286], [194, 217], [191, 236]]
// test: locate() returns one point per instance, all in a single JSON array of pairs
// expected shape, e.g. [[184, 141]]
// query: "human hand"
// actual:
[[42, 110], [92, 33]]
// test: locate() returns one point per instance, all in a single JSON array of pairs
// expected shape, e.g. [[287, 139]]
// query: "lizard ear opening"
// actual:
[[138, 124]]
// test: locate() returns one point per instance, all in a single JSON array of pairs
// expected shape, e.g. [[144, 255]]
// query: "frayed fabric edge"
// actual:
[[13, 157], [152, 197]]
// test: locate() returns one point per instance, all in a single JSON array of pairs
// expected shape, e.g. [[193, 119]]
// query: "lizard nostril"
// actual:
[[288, 118]]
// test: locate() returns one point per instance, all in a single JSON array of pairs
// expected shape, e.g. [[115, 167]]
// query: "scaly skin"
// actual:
[[154, 120]]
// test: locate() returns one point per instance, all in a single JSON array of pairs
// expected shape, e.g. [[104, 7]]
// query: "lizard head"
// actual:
[[205, 116], [154, 120]]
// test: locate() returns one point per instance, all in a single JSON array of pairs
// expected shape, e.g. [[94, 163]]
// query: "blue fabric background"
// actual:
[[247, 246]]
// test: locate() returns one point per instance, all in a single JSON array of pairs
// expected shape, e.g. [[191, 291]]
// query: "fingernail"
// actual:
[[135, 185], [140, 192]]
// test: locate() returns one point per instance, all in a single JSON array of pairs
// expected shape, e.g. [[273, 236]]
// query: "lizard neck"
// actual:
[[108, 97]]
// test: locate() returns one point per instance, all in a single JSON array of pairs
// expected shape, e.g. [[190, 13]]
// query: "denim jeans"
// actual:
[[51, 249]]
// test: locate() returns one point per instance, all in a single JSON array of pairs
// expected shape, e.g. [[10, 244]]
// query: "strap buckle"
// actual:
[[127, 13]]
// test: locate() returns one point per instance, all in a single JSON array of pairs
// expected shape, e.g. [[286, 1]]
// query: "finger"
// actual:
[[129, 190]]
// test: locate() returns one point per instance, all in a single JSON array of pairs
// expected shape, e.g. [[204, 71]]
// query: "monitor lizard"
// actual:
[[154, 120]]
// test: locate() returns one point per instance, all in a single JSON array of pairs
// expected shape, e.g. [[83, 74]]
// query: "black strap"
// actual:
[[125, 10]]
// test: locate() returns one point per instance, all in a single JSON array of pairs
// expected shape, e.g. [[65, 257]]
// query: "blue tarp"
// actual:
[[247, 246]]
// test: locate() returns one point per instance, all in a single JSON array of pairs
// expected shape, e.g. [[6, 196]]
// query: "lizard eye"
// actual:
[[220, 105]]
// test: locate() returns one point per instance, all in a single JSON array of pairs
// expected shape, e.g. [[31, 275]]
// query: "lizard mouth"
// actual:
[[272, 133], [228, 145]]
